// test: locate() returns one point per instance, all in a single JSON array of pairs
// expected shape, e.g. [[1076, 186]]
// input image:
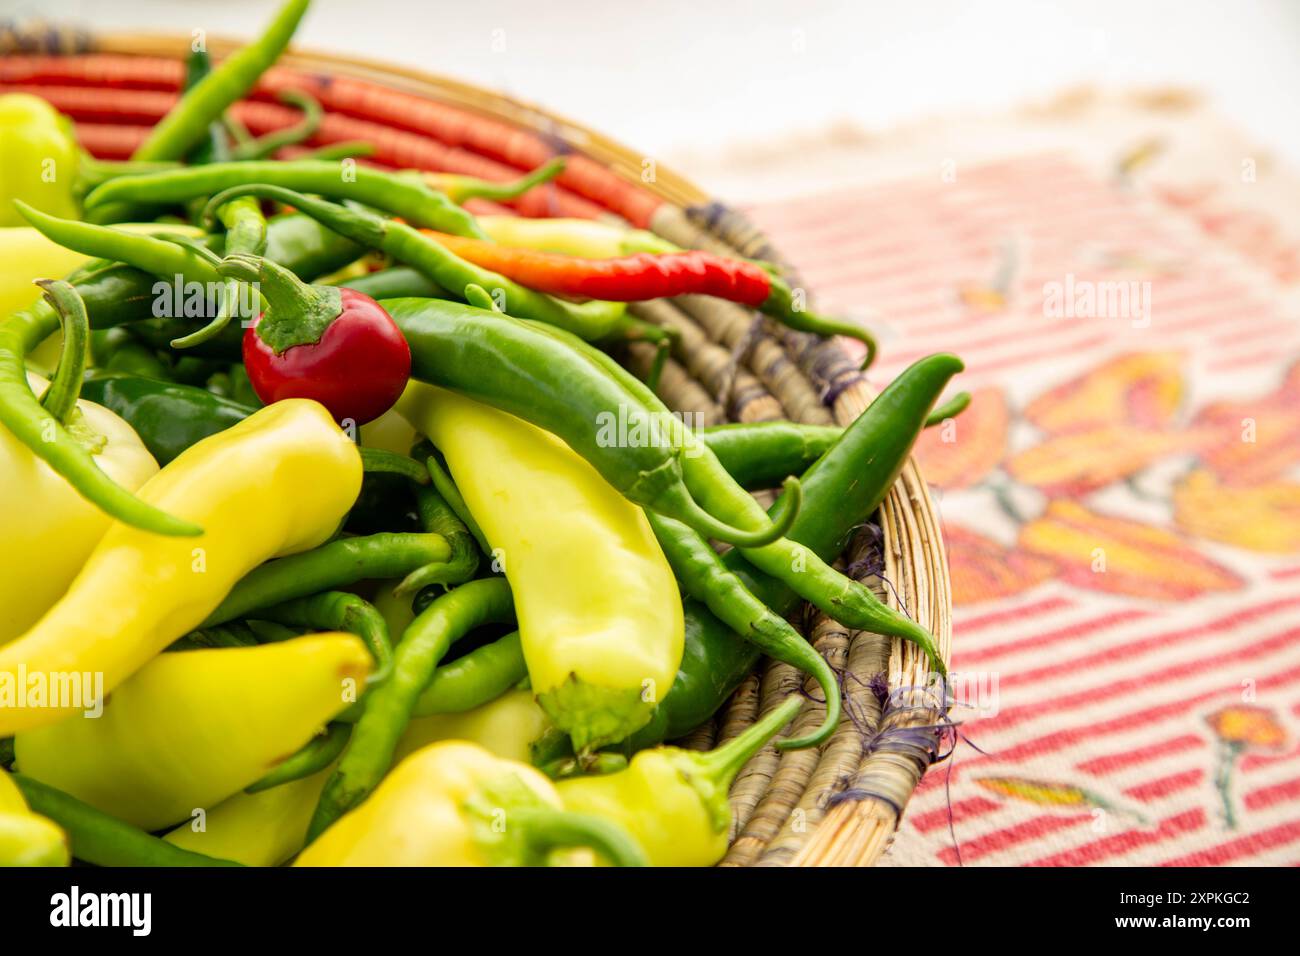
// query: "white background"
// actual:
[[660, 75]]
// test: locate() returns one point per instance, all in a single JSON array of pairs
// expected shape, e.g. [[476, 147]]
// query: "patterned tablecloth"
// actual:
[[1122, 499]]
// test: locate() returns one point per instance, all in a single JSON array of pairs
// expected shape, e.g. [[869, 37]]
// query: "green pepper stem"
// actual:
[[297, 313], [551, 829], [351, 222], [460, 188], [305, 128], [60, 399], [721, 766]]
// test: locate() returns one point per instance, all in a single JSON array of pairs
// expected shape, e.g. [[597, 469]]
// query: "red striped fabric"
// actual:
[[1128, 727]]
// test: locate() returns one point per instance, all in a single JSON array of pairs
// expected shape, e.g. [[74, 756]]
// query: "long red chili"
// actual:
[[623, 279]]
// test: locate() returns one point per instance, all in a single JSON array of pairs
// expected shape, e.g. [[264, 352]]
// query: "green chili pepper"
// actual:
[[474, 679], [387, 709], [396, 283], [337, 564], [339, 611], [101, 839], [377, 461], [186, 124], [437, 517], [233, 634], [446, 487], [215, 146], [761, 454], [522, 369], [168, 417], [400, 195], [703, 575], [403, 242], [317, 754], [306, 248]]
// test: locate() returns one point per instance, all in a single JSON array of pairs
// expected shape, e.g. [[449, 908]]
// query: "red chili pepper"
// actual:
[[336, 346], [622, 279]]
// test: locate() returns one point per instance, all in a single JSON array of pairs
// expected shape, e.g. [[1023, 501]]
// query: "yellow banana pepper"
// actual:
[[27, 839], [674, 802], [600, 616], [193, 727], [506, 727], [455, 804], [256, 829], [42, 515], [276, 483]]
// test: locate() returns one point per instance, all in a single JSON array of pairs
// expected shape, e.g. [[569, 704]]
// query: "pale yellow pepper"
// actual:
[[506, 726], [600, 616], [191, 728], [27, 839], [39, 158], [42, 515], [265, 828], [674, 802], [278, 482], [454, 804]]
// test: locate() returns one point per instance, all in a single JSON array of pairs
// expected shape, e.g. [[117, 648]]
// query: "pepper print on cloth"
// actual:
[[1120, 502]]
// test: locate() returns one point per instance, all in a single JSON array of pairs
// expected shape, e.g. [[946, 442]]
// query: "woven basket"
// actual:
[[836, 806]]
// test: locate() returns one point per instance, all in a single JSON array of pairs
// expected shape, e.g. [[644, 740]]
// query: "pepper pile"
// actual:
[[350, 580]]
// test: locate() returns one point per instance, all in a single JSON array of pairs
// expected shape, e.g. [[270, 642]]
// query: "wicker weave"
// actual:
[[839, 805]]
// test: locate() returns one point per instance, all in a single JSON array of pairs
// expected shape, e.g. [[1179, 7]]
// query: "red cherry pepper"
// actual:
[[336, 346]]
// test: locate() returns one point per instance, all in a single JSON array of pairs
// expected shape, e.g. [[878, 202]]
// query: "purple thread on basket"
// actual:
[[833, 390]]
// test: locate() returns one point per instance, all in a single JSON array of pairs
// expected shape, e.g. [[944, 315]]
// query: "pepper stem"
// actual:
[[60, 399], [720, 766], [352, 222], [297, 313], [461, 188], [550, 829]]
